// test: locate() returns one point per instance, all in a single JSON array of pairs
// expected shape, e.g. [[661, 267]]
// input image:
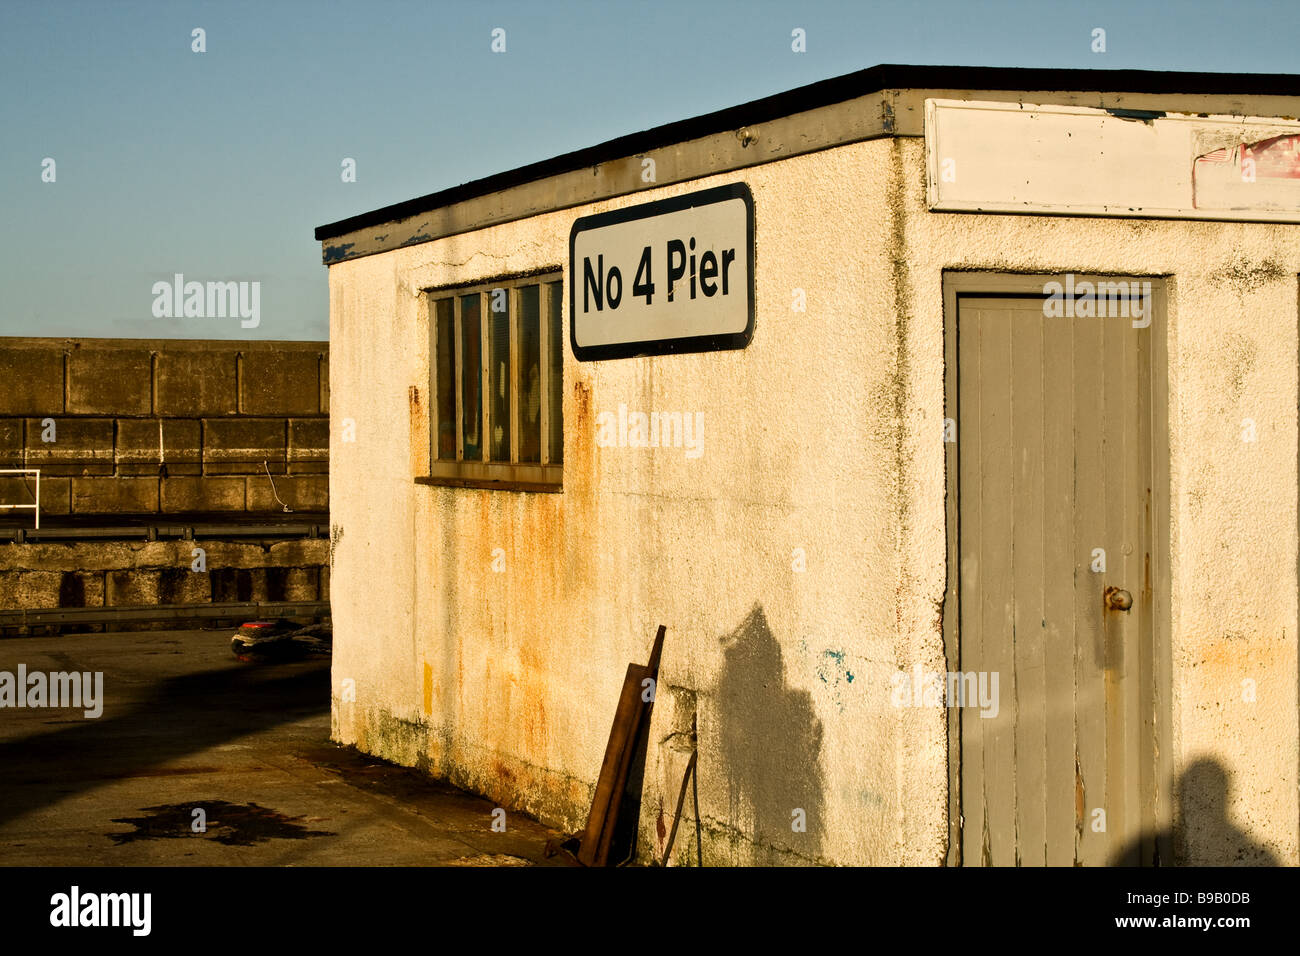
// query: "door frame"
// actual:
[[1157, 816]]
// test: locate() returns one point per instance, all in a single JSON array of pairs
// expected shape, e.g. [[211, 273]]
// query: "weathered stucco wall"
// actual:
[[506, 682], [824, 435]]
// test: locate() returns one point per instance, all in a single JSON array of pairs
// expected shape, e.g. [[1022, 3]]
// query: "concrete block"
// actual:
[[143, 447], [138, 447], [9, 596], [17, 489], [182, 585], [127, 587], [182, 442], [21, 490], [81, 589], [296, 553], [114, 495], [226, 584], [281, 383], [197, 384], [301, 493], [309, 440], [309, 468], [11, 443], [188, 494], [238, 584], [325, 385], [33, 381], [29, 589], [56, 495], [301, 584], [110, 382], [276, 583], [173, 469], [258, 578], [81, 446], [241, 445]]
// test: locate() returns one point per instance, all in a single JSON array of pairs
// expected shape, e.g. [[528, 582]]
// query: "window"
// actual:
[[497, 366]]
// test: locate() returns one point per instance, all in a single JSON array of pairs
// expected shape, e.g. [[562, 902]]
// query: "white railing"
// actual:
[[35, 507]]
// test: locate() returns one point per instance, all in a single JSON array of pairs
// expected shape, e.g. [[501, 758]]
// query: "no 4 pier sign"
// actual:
[[676, 275]]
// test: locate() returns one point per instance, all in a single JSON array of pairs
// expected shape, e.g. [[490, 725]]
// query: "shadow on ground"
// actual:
[[178, 716]]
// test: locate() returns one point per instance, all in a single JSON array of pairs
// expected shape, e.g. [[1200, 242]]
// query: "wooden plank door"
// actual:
[[1052, 507]]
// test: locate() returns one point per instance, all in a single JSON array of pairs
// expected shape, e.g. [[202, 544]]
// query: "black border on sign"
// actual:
[[690, 343]]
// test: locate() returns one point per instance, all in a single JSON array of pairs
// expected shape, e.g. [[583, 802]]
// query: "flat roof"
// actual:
[[825, 93]]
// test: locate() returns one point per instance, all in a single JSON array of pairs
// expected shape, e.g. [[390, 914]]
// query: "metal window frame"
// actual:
[[435, 397], [512, 373], [545, 318], [486, 473], [548, 316], [521, 390], [489, 392]]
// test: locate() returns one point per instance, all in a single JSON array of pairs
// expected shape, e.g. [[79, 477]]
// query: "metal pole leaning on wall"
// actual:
[[695, 798], [692, 777], [677, 814]]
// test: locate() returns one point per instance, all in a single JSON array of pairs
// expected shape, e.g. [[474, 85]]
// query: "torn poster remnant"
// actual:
[[1264, 175]]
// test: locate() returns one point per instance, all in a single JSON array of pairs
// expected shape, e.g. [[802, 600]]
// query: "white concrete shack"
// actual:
[[946, 417]]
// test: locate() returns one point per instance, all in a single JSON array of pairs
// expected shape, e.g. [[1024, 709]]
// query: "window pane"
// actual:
[[530, 375], [471, 363], [445, 370], [555, 341], [499, 373]]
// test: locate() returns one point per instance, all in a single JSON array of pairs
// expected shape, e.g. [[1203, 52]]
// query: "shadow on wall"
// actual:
[[771, 742], [1203, 830]]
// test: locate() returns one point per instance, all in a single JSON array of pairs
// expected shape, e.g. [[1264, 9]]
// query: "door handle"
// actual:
[[1117, 599]]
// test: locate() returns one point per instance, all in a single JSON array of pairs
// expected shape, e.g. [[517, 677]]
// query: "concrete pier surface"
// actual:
[[198, 759]]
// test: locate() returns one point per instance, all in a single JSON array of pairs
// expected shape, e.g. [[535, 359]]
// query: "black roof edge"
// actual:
[[825, 93]]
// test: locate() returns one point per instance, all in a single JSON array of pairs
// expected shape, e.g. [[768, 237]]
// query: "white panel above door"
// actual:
[[1022, 158]]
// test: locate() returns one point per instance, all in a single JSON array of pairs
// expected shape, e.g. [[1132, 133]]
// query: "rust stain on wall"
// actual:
[[419, 432]]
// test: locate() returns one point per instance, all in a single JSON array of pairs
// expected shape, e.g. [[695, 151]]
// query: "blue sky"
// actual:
[[219, 165]]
